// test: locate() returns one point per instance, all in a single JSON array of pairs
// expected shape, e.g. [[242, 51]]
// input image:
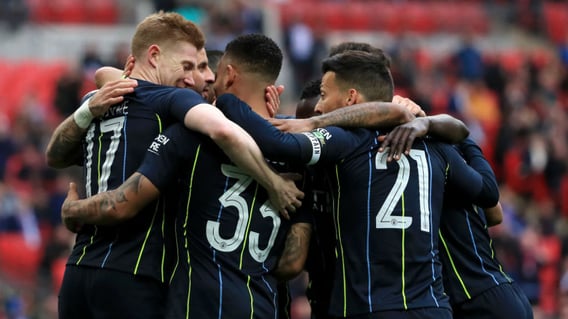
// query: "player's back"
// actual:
[[469, 262], [114, 147], [229, 235], [387, 223]]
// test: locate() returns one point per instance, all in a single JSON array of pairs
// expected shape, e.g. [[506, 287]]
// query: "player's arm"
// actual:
[[494, 215], [111, 207], [245, 153], [443, 127], [324, 144], [64, 146], [293, 258], [369, 115], [473, 155], [473, 179], [107, 74]]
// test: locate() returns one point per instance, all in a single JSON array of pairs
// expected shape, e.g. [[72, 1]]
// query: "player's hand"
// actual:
[[109, 94], [129, 66], [286, 197], [272, 98], [292, 125], [400, 139], [67, 217], [410, 105]]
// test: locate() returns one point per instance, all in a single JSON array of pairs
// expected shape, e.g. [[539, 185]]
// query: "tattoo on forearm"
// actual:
[[355, 116], [296, 242], [103, 207], [67, 142]]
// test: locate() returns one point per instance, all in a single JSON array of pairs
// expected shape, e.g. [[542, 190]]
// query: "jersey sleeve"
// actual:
[[328, 144], [473, 155], [479, 187], [161, 161], [88, 95], [181, 101]]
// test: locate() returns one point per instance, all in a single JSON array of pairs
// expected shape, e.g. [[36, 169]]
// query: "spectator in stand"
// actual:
[[91, 60], [14, 13], [67, 91], [7, 144], [120, 54], [300, 47], [563, 296], [468, 58]]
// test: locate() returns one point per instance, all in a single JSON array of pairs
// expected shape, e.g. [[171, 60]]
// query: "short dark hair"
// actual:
[[256, 53], [356, 46], [367, 72], [311, 89], [214, 56]]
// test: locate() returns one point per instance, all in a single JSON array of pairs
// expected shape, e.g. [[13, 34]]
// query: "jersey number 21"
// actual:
[[384, 218]]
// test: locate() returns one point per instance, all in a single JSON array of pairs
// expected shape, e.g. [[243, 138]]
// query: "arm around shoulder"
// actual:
[[111, 207], [494, 215], [293, 258], [447, 128]]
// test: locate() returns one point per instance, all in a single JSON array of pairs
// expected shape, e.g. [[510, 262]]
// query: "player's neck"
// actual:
[[255, 98], [143, 74]]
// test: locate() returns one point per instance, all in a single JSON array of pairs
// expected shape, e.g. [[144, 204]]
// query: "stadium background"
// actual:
[[501, 66]]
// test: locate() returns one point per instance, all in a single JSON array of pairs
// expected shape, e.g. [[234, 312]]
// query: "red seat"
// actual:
[[57, 272], [40, 11], [556, 21], [360, 17], [419, 19], [69, 11], [335, 16], [19, 261], [102, 11]]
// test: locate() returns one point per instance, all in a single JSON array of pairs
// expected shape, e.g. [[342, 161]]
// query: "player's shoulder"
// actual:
[[88, 95], [157, 91]]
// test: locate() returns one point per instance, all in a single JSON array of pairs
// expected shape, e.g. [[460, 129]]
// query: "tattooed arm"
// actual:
[[370, 114], [111, 207], [295, 252], [64, 147]]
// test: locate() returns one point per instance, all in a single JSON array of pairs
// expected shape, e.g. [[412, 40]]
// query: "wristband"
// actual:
[[83, 115]]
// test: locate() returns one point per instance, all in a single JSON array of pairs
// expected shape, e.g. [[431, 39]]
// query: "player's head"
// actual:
[[203, 75], [354, 77], [214, 56], [166, 44], [252, 59], [308, 100], [354, 46]]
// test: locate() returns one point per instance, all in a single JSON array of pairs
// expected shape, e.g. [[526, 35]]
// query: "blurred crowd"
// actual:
[[514, 103]]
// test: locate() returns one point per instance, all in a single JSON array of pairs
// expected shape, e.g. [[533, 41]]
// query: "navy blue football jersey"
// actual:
[[114, 147], [229, 235], [386, 214], [469, 262]]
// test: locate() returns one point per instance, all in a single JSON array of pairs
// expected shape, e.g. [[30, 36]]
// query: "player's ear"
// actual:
[[153, 54], [352, 97], [231, 75]]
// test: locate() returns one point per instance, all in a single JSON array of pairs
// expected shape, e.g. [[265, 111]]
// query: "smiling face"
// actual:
[[176, 64], [203, 75], [332, 94]]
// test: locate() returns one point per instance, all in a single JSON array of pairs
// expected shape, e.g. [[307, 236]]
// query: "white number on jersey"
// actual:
[[384, 218], [233, 198], [113, 126]]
